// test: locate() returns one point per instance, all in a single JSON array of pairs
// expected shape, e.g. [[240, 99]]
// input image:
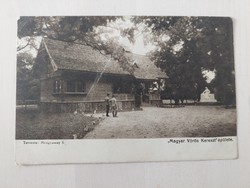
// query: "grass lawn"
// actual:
[[31, 124]]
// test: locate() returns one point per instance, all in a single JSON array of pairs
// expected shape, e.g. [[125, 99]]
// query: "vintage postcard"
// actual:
[[104, 89]]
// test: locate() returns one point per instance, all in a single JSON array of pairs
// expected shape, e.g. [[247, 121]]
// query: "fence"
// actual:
[[27, 104], [84, 106]]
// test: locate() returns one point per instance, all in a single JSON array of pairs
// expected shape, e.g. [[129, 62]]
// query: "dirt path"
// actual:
[[153, 122]]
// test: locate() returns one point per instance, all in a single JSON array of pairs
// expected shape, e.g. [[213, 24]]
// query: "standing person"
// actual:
[[114, 106], [107, 102]]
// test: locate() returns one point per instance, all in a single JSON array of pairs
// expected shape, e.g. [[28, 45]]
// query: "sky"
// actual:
[[29, 49], [113, 31], [209, 75]]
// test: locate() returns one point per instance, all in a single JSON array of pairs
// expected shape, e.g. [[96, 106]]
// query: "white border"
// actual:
[[30, 152]]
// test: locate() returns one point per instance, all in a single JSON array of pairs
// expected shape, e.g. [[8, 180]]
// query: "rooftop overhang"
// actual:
[[92, 73]]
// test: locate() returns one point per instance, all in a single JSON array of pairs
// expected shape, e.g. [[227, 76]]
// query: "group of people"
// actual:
[[111, 103]]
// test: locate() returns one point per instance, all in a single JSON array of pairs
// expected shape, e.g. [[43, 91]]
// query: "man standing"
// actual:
[[113, 106], [107, 102]]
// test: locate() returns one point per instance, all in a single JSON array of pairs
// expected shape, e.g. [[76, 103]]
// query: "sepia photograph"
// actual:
[[125, 77]]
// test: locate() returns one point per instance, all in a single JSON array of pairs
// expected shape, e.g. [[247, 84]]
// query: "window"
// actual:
[[58, 86], [75, 86], [122, 86], [69, 87]]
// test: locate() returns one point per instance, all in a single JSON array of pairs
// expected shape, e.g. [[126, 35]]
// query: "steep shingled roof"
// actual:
[[145, 68], [85, 58]]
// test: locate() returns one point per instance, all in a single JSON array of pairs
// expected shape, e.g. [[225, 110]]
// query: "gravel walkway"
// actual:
[[153, 122]]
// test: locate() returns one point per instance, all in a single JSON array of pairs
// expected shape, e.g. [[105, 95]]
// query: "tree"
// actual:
[[65, 28], [27, 86], [186, 46]]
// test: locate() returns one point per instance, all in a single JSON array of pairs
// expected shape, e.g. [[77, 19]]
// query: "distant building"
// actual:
[[207, 96], [78, 77]]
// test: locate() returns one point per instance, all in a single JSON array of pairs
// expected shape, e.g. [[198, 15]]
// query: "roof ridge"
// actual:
[[73, 43], [47, 38]]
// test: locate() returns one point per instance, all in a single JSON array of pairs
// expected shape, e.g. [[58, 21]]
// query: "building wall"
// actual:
[[98, 91], [93, 91], [47, 90]]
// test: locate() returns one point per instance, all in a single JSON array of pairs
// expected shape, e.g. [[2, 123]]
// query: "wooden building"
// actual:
[[75, 77]]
